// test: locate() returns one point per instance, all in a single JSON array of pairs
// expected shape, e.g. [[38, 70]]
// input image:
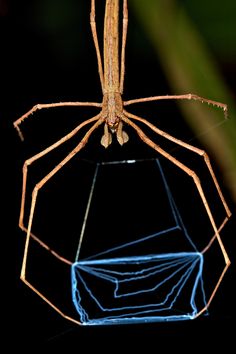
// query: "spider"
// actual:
[[114, 116]]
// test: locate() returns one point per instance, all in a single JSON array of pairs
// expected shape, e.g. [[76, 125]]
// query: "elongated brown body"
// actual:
[[113, 105], [111, 48]]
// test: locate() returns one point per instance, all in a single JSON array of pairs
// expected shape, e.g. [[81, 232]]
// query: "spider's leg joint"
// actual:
[[26, 164], [195, 177], [16, 126], [35, 190]]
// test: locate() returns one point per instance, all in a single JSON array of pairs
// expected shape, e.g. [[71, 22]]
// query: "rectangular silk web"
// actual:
[[153, 277]]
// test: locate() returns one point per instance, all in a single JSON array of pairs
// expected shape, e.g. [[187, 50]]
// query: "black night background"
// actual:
[[47, 55]]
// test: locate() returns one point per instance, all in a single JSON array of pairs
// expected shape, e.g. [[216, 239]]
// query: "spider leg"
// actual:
[[36, 189], [95, 41], [187, 170], [123, 45], [46, 247], [37, 157], [44, 298], [189, 147], [39, 106], [188, 96], [197, 182]]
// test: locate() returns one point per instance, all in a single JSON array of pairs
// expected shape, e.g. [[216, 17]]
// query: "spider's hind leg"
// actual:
[[184, 168], [38, 156], [98, 121], [191, 173], [189, 147]]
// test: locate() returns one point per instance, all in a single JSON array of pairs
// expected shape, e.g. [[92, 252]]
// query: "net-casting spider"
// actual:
[[114, 116]]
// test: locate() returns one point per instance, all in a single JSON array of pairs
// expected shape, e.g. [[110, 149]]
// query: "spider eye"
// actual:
[[113, 126]]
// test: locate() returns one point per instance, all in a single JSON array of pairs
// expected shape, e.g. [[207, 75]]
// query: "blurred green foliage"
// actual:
[[190, 39], [217, 24]]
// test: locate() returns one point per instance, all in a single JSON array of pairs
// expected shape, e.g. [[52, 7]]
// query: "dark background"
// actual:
[[47, 55]]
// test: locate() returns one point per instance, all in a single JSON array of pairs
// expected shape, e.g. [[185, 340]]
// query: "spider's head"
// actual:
[[114, 128], [112, 121], [113, 110]]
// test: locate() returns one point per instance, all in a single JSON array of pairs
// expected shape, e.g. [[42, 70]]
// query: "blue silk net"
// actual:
[[136, 261]]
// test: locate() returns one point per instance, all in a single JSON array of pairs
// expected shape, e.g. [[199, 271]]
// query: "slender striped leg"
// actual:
[[40, 106], [36, 190], [95, 41], [197, 182], [186, 146], [188, 96], [123, 46]]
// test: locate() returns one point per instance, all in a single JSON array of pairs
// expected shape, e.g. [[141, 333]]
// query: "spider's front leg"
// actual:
[[121, 135], [189, 147], [98, 121], [36, 157], [184, 168], [188, 96], [40, 106], [201, 193]]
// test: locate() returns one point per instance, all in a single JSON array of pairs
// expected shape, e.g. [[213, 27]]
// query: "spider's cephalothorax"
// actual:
[[112, 112]]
